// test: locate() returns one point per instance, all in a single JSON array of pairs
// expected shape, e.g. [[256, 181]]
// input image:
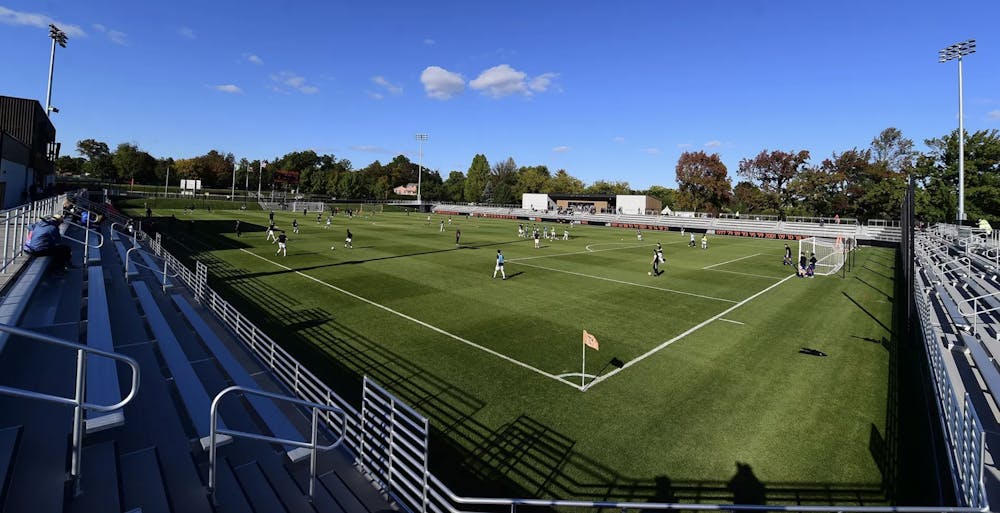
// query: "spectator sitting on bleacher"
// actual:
[[44, 239]]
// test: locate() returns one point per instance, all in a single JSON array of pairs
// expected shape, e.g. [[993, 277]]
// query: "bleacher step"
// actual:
[[322, 499], [142, 482], [257, 489], [340, 492], [9, 438], [229, 495], [358, 484], [102, 373], [99, 480]]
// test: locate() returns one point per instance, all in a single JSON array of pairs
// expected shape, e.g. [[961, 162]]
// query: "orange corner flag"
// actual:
[[590, 341]]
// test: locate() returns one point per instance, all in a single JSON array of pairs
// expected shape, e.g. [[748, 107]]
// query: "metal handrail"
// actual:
[[78, 402], [164, 273], [644, 506], [86, 238], [316, 407]]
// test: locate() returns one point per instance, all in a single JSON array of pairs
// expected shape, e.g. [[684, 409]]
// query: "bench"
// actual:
[[123, 254], [15, 302], [277, 422], [102, 373], [192, 392], [948, 302], [986, 365], [151, 264]]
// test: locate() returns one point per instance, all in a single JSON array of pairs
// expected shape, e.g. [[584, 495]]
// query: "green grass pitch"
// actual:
[[711, 376]]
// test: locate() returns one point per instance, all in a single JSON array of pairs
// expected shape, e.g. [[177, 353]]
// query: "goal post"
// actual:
[[830, 253]]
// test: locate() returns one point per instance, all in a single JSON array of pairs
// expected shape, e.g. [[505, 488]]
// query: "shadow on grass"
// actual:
[[865, 310], [521, 458], [873, 287]]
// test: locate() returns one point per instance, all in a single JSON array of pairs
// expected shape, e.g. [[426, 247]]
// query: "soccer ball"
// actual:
[[333, 247], [650, 273]]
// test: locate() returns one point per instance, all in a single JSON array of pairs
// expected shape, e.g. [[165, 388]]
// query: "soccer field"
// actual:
[[699, 373]]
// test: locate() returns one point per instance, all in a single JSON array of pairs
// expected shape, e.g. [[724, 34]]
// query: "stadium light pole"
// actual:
[[421, 138], [59, 37], [956, 52]]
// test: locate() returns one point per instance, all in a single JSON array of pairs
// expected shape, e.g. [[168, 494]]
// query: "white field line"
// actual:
[[626, 282], [575, 253], [745, 274], [732, 321], [730, 261], [417, 321], [682, 335]]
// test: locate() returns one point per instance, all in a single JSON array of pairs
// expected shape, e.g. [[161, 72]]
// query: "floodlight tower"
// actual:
[[421, 138], [59, 37], [957, 51]]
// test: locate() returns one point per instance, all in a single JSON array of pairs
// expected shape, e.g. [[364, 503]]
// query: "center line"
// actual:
[[626, 282]]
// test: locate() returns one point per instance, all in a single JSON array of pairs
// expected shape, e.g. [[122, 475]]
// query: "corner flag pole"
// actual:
[[591, 341]]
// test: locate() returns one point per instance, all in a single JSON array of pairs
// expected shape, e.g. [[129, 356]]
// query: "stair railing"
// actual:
[[78, 401], [312, 445]]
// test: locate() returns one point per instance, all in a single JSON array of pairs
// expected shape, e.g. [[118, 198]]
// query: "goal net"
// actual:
[[829, 253]]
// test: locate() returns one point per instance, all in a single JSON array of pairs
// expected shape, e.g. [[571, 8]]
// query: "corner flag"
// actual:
[[590, 341]]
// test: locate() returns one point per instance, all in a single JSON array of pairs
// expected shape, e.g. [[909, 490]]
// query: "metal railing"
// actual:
[[165, 273], [78, 400], [86, 238], [312, 445]]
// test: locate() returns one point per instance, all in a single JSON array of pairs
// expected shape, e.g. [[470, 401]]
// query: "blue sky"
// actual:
[[609, 90]]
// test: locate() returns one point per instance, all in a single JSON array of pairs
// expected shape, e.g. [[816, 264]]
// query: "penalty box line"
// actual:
[[691, 330], [418, 321]]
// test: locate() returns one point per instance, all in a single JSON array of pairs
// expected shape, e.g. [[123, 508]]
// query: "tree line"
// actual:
[[866, 183]]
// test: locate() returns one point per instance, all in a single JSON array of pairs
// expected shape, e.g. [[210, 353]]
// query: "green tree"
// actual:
[[748, 198], [476, 178], [667, 196], [702, 182], [772, 171], [131, 163], [454, 187], [66, 165], [532, 179], [503, 177], [606, 187], [937, 173], [98, 158], [564, 183]]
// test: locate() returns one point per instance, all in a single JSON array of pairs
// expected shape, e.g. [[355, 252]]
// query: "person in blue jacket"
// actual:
[[44, 239]]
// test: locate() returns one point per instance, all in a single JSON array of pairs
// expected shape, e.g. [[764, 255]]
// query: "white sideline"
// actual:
[[626, 282], [417, 321], [682, 335], [730, 261], [732, 321]]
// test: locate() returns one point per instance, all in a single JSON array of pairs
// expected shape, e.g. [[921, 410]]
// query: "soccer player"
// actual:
[[659, 253], [348, 242], [458, 235], [270, 232], [691, 242], [801, 271], [329, 219], [281, 240], [704, 241], [295, 226], [656, 263], [536, 239], [499, 266], [788, 256], [449, 219], [319, 216], [441, 226], [565, 234], [638, 235], [811, 270], [520, 231], [239, 231], [270, 217]]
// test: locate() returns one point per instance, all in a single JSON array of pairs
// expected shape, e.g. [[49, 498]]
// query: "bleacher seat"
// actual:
[[14, 303], [102, 373]]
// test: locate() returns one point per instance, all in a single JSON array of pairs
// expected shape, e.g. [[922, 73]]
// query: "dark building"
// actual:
[[27, 147]]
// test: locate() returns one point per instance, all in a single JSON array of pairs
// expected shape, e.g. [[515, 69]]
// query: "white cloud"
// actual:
[[504, 80], [389, 86], [994, 114], [253, 59], [542, 82], [375, 96], [187, 33], [652, 151], [684, 146], [12, 17], [500, 81], [713, 144], [430, 42], [619, 139], [440, 83], [295, 81], [227, 88], [561, 149], [115, 36]]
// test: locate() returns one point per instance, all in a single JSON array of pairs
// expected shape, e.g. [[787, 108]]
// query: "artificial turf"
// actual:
[[494, 364]]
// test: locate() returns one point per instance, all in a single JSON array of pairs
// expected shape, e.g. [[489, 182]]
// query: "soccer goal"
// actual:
[[830, 253]]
